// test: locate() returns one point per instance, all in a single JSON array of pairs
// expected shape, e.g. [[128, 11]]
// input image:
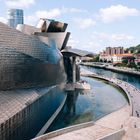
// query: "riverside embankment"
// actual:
[[132, 79], [112, 68]]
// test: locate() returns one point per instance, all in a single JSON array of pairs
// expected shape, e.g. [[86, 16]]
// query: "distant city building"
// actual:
[[114, 50], [114, 54], [118, 58], [15, 17]]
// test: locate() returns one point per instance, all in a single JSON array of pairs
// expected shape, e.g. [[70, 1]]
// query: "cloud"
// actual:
[[57, 12], [88, 45], [103, 40], [113, 37], [98, 41], [32, 19], [116, 12], [53, 13], [73, 10], [48, 14], [92, 46], [4, 20], [19, 3], [73, 42], [84, 23], [122, 37]]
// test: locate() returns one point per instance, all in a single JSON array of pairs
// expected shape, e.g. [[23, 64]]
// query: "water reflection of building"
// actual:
[[72, 97], [71, 102]]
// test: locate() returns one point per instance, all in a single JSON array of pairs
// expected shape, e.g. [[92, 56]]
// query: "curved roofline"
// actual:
[[75, 52]]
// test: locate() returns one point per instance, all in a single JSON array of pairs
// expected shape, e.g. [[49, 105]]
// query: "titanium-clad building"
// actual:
[[31, 57], [15, 17]]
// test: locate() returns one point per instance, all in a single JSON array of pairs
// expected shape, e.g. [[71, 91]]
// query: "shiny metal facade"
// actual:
[[28, 60]]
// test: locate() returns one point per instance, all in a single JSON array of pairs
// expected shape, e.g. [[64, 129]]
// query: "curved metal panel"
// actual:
[[75, 52], [26, 61]]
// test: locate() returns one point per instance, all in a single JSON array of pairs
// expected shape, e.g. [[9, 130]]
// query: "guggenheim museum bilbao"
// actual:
[[31, 56], [30, 61]]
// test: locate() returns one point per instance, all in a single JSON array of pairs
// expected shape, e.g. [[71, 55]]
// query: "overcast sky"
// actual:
[[94, 24]]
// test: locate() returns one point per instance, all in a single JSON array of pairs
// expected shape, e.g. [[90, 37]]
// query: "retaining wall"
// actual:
[[64, 130]]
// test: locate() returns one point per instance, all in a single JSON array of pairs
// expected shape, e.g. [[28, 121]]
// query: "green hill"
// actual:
[[134, 49]]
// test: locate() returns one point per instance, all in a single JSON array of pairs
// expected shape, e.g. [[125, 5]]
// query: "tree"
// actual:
[[132, 65], [134, 49], [125, 61], [138, 63], [97, 58], [101, 60]]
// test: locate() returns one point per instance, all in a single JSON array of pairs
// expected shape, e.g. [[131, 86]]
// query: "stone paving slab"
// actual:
[[132, 128]]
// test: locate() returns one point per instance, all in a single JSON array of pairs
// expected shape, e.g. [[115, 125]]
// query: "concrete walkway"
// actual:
[[112, 121], [132, 129], [89, 133]]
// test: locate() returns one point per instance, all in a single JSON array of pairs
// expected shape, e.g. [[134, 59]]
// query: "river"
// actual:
[[84, 106], [134, 80]]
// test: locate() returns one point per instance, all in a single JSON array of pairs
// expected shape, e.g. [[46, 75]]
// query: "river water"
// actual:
[[134, 80], [83, 106]]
